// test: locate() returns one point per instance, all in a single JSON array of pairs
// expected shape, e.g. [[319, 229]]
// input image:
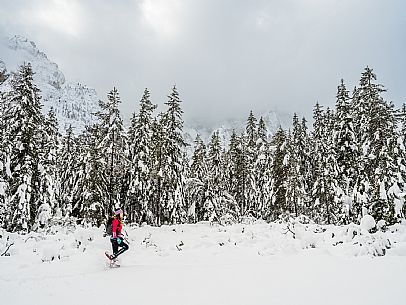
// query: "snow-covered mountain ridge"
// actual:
[[73, 103], [273, 120]]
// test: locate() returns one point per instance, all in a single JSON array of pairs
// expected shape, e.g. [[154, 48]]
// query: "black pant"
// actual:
[[124, 247]]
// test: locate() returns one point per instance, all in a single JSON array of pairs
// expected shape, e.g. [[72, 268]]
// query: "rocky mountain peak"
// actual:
[[73, 103]]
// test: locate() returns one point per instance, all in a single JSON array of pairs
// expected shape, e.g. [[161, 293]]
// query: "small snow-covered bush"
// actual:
[[367, 223], [247, 220], [360, 240], [227, 220], [44, 215], [50, 254], [381, 225], [83, 237], [371, 244], [304, 219], [354, 240]]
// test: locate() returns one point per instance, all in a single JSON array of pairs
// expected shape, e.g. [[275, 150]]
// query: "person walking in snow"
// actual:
[[117, 238]]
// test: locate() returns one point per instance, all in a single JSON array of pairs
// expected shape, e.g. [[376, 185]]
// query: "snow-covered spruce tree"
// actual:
[[237, 171], [375, 129], [402, 135], [101, 166], [345, 149], [250, 139], [157, 195], [198, 167], [91, 185], [4, 165], [68, 172], [48, 203], [319, 151], [337, 212], [230, 180], [326, 205], [262, 171], [141, 160], [401, 150], [262, 133], [219, 204], [172, 161], [363, 97], [251, 131], [386, 174], [308, 166], [196, 184], [112, 146], [213, 207], [296, 195], [22, 140], [278, 147]]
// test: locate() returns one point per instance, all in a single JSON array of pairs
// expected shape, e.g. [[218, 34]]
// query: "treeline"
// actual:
[[353, 162]]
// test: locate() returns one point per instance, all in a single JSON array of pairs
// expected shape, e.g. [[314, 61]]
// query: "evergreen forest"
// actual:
[[350, 162]]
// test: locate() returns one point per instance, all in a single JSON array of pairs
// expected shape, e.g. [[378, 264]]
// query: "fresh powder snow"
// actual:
[[206, 263]]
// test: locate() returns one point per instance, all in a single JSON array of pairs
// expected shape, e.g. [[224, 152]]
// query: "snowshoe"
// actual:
[[112, 260]]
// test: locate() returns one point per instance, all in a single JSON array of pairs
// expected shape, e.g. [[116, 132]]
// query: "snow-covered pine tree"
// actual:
[[308, 166], [317, 138], [4, 165], [68, 173], [48, 203], [375, 132], [230, 176], [213, 208], [237, 171], [22, 140], [279, 175], [363, 97], [335, 212], [345, 148], [141, 160], [249, 144], [91, 185], [296, 158], [112, 147], [326, 206], [219, 204], [262, 171], [262, 132], [196, 184], [251, 131], [401, 150], [102, 164], [383, 159], [172, 163], [198, 168], [157, 194]]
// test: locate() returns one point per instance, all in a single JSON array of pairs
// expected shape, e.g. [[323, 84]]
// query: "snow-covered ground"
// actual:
[[251, 263]]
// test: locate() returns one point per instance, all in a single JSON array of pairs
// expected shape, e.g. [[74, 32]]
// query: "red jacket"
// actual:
[[116, 228]]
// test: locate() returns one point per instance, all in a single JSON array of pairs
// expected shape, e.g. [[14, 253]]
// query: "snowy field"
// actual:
[[251, 263]]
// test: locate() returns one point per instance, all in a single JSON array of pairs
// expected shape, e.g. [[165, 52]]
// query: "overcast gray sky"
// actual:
[[226, 57]]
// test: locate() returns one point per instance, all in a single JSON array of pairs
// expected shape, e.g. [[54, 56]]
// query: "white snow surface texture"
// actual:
[[248, 263]]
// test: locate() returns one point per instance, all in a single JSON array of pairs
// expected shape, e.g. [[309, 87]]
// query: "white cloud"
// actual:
[[226, 56], [163, 16], [62, 16]]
